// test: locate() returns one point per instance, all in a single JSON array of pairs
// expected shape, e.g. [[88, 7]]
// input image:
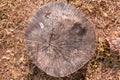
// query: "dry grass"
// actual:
[[15, 64]]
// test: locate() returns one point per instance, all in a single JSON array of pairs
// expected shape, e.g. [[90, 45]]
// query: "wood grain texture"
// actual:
[[59, 39]]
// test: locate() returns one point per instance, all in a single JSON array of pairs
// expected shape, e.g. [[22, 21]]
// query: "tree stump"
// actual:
[[59, 39]]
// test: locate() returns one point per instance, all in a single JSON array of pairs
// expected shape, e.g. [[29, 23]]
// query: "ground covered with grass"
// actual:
[[16, 65]]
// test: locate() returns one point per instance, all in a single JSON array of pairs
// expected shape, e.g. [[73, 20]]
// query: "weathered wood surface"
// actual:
[[59, 39]]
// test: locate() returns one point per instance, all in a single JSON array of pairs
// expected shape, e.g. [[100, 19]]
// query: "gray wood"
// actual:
[[59, 39]]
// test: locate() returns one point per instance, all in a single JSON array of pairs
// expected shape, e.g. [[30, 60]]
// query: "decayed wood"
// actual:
[[59, 39]]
